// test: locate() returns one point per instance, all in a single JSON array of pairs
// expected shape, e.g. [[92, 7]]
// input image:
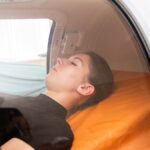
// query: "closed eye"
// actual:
[[73, 63]]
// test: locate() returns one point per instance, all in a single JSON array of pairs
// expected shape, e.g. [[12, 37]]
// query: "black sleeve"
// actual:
[[61, 137], [61, 143]]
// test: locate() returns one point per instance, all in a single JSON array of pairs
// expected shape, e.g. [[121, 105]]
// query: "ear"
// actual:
[[86, 89]]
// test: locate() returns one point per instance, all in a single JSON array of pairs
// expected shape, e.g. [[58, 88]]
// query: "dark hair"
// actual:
[[100, 77]]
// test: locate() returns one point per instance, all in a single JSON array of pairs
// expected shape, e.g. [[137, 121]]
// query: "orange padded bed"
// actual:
[[120, 122]]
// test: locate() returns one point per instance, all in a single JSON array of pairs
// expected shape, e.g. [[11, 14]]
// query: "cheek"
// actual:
[[74, 78], [66, 79]]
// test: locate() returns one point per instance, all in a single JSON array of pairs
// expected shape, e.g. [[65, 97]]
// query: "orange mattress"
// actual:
[[120, 122]]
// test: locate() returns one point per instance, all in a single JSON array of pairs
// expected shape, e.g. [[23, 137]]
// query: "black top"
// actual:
[[47, 121]]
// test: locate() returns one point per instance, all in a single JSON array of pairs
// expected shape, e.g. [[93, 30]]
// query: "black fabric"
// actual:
[[46, 119], [13, 124]]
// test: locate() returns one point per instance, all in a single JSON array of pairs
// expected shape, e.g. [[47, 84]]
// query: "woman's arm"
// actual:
[[16, 144]]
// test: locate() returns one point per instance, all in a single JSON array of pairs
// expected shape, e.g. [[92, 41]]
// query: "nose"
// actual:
[[59, 61]]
